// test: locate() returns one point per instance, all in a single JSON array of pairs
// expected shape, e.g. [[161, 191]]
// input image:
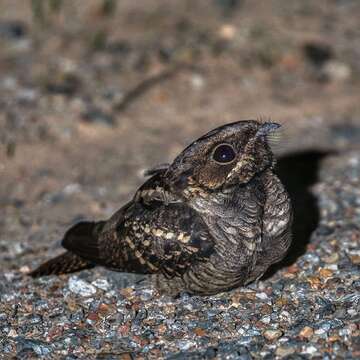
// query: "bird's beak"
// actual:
[[266, 128]]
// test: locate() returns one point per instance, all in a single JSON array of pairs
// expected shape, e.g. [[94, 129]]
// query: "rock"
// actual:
[[12, 333], [325, 273], [331, 259], [272, 334], [40, 348], [283, 351], [355, 259], [337, 71], [102, 284], [185, 344], [12, 30], [306, 332], [97, 116], [262, 296], [197, 81], [311, 349], [227, 32], [318, 53], [81, 287]]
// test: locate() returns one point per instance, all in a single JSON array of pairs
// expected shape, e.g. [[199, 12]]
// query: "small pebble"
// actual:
[[81, 287], [102, 284], [306, 332], [227, 32], [284, 351], [272, 334]]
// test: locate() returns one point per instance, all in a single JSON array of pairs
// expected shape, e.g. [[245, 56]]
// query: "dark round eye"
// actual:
[[224, 154]]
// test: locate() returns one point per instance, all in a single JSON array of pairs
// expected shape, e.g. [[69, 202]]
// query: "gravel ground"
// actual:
[[85, 109], [307, 310]]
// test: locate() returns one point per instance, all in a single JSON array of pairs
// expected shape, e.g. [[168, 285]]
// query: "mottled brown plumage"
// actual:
[[215, 219]]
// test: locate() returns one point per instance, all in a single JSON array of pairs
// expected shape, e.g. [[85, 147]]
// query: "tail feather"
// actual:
[[81, 241], [65, 263]]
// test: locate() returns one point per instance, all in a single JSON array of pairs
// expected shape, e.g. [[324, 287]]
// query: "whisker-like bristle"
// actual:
[[264, 119], [278, 139]]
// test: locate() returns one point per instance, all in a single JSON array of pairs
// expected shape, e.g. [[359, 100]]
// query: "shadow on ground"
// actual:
[[298, 172]]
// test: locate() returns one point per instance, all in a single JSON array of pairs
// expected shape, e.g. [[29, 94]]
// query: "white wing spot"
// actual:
[[169, 235], [183, 237], [157, 232]]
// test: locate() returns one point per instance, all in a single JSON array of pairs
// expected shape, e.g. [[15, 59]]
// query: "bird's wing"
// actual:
[[155, 232], [165, 238], [161, 233]]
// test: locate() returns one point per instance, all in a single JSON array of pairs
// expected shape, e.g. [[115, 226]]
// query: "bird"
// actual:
[[214, 219]]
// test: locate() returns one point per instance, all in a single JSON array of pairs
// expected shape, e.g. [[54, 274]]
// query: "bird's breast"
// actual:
[[235, 221]]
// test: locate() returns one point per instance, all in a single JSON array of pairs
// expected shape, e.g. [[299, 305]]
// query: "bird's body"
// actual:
[[215, 219]]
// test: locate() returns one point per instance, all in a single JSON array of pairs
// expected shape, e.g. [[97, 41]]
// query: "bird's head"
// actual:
[[228, 155]]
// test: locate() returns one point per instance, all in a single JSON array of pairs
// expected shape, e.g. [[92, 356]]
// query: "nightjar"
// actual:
[[214, 219]]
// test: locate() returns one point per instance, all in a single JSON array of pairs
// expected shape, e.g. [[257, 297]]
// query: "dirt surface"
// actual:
[[92, 96]]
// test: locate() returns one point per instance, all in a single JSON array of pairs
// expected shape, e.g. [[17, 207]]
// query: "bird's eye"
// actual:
[[224, 154]]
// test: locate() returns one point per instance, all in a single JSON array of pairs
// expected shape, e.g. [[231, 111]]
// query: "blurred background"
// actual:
[[94, 92]]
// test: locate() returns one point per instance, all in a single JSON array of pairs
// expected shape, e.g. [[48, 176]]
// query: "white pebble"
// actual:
[[102, 284], [81, 287]]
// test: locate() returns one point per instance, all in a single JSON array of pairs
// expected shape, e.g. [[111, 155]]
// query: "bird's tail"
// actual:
[[81, 241], [65, 263]]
